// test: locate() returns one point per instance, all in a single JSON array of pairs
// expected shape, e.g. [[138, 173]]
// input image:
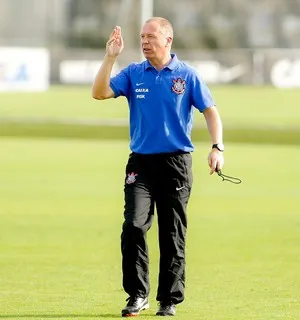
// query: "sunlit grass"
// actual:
[[61, 210]]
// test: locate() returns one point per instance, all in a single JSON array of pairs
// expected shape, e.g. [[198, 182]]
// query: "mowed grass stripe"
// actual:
[[250, 115], [61, 207], [104, 131], [240, 106]]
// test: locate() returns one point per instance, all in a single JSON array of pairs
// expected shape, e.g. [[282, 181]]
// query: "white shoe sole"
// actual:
[[145, 307]]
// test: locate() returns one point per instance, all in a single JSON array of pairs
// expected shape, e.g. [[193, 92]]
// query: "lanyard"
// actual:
[[228, 178]]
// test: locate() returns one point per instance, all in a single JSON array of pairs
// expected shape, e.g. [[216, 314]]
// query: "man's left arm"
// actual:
[[215, 129]]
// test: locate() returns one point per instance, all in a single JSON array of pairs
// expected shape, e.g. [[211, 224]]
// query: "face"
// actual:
[[155, 44]]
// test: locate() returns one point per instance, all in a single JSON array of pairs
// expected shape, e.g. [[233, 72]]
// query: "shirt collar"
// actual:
[[171, 66]]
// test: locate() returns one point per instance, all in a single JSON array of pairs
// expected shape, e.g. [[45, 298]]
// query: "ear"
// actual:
[[168, 41]]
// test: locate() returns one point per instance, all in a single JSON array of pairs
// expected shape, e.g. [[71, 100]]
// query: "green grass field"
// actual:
[[61, 205], [61, 210], [260, 107], [250, 115]]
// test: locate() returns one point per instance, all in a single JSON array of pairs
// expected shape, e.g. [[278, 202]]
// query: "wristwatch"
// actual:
[[219, 146]]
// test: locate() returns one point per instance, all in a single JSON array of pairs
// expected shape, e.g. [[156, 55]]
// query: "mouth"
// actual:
[[146, 50]]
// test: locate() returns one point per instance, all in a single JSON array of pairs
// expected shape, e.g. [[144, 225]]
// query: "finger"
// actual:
[[209, 160], [219, 166], [220, 163], [119, 36], [109, 42], [117, 32], [210, 165], [113, 33], [213, 166], [120, 42]]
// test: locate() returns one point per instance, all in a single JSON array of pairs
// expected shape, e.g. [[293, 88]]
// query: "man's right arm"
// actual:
[[101, 87]]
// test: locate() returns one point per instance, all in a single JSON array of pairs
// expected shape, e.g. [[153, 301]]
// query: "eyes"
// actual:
[[148, 36]]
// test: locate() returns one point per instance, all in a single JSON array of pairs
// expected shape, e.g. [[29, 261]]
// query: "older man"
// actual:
[[162, 94]]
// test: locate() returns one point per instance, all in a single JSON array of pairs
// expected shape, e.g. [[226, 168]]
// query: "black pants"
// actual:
[[164, 181]]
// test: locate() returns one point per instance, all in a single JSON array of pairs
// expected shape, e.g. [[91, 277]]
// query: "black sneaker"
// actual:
[[134, 306], [166, 309]]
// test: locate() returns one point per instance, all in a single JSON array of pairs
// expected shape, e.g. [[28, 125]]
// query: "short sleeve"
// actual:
[[201, 95], [120, 83]]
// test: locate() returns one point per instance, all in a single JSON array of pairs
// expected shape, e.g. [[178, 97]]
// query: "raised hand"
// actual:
[[115, 44]]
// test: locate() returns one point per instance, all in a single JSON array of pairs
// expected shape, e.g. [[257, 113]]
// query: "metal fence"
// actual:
[[227, 41], [209, 24]]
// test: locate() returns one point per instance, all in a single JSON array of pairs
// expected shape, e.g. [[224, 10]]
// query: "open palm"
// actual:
[[115, 44]]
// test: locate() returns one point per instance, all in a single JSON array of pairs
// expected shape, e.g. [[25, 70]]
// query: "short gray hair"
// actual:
[[165, 24]]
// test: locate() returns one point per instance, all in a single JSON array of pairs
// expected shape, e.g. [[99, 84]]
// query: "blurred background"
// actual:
[[229, 41], [244, 50]]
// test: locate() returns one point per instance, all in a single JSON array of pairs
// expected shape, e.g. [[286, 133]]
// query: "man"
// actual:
[[162, 92]]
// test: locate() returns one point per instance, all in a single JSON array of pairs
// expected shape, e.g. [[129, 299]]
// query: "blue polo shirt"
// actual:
[[161, 104]]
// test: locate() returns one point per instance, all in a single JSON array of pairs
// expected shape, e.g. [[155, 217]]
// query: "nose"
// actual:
[[145, 40]]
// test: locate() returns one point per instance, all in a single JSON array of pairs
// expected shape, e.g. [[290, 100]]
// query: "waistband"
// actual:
[[162, 154]]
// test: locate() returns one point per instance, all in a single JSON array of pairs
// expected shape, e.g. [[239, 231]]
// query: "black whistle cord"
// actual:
[[228, 178]]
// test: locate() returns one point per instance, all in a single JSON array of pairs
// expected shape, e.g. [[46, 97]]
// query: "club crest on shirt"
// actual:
[[178, 86], [131, 178]]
